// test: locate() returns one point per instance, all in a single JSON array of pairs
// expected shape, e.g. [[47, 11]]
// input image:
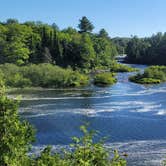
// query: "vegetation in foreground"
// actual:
[[151, 75], [17, 135], [104, 79], [84, 153], [41, 75]]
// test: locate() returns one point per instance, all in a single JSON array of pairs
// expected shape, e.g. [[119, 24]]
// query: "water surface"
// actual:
[[131, 116]]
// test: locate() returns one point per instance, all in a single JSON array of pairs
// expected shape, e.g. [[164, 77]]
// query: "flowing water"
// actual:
[[131, 116]]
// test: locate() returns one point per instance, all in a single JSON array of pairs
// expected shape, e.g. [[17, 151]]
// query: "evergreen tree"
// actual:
[[85, 25], [103, 33]]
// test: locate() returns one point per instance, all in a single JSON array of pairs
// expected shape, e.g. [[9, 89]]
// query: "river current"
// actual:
[[131, 116]]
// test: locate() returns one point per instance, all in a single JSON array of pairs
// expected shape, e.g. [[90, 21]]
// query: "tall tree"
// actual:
[[103, 33], [12, 21], [85, 25], [87, 52]]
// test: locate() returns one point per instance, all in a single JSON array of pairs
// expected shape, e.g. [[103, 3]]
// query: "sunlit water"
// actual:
[[131, 116]]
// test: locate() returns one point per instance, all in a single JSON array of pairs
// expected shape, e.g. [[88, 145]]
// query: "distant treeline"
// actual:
[[36, 42], [150, 50], [121, 43]]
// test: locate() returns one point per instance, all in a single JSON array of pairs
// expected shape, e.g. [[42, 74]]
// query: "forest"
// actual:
[[32, 54], [37, 42], [149, 50]]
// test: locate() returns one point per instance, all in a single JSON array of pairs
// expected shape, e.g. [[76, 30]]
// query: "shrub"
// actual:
[[84, 152], [104, 79], [116, 67], [146, 81], [15, 135], [42, 75], [17, 80]]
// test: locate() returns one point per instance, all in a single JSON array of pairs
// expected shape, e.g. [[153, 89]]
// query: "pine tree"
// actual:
[[85, 25]]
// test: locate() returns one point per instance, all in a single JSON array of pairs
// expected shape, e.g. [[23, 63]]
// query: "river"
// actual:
[[131, 116]]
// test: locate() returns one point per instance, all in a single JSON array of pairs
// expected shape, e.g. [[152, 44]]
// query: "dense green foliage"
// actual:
[[103, 33], [24, 44], [85, 25], [121, 44], [84, 152], [36, 42], [117, 67], [41, 75], [147, 50], [16, 136], [104, 79], [151, 75], [164, 162]]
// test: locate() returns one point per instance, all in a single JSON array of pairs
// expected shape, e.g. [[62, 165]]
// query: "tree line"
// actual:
[[151, 50], [37, 42]]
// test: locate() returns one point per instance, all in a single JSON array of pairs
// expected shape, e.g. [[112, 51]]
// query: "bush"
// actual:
[[42, 75], [116, 67], [17, 80], [84, 152], [16, 135], [151, 75], [146, 80], [104, 79]]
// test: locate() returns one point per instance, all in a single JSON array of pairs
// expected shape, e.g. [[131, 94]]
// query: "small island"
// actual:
[[151, 75], [104, 79]]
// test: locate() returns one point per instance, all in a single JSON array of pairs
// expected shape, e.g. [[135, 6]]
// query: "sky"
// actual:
[[121, 18]]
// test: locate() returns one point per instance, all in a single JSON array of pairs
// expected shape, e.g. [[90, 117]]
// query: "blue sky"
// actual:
[[119, 17]]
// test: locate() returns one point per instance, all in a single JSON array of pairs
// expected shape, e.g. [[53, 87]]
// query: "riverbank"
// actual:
[[52, 76]]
